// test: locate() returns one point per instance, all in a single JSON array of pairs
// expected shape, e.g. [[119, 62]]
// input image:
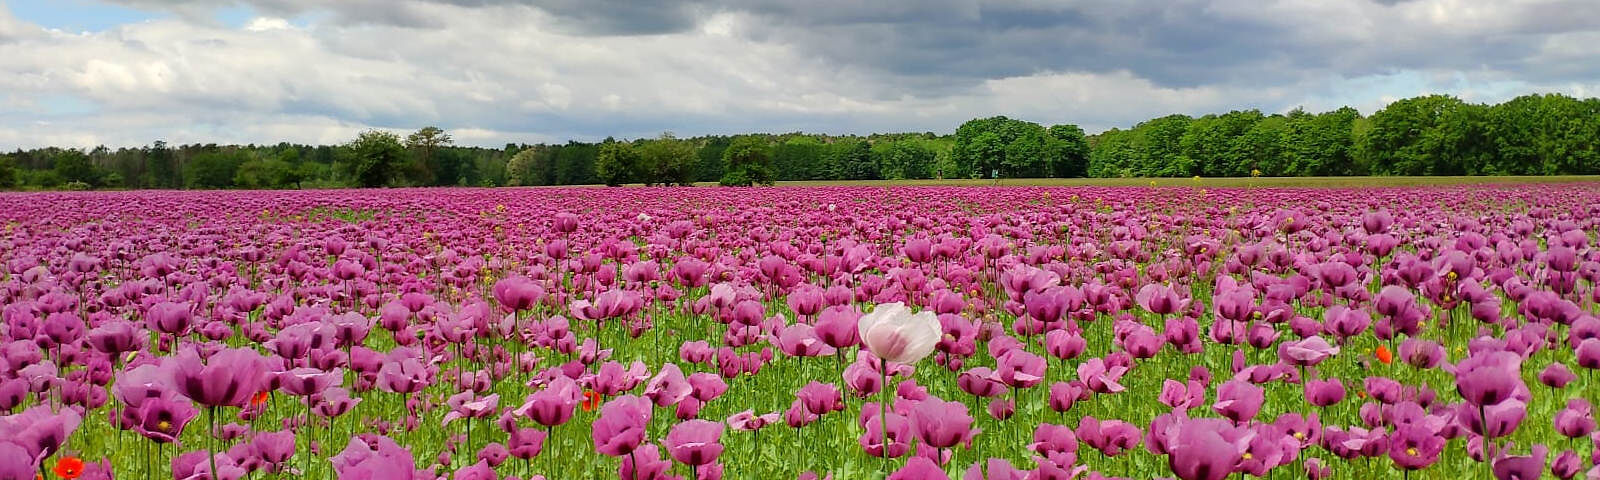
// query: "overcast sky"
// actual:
[[128, 72]]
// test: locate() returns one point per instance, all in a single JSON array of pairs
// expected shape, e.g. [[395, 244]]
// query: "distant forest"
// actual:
[[1546, 134]]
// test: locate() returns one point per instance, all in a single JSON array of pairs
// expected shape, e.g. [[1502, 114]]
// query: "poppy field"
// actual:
[[846, 332]]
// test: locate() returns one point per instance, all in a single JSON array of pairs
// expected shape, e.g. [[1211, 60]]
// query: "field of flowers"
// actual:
[[843, 332]]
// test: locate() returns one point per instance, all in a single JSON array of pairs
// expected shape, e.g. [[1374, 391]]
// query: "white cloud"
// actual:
[[501, 71], [262, 24]]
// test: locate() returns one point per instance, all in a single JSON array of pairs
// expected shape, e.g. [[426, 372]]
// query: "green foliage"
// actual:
[[851, 159], [520, 169], [1319, 145], [986, 147], [217, 169], [1430, 135], [1067, 151], [8, 172], [574, 164], [1112, 154], [1421, 136], [1159, 147], [904, 159], [667, 161], [427, 166], [266, 173], [1544, 135], [1216, 145], [161, 168], [373, 156], [747, 162], [1261, 148], [616, 163], [709, 167], [75, 166]]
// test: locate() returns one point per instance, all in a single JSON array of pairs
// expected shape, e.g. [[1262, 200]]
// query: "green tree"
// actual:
[[8, 172], [616, 163], [161, 169], [668, 161], [1319, 145], [852, 160], [1112, 154], [1025, 155], [709, 167], [574, 164], [1068, 151], [985, 147], [519, 170], [214, 169], [1158, 144], [424, 145], [747, 162], [1428, 135], [798, 158], [1261, 148], [904, 159], [373, 158], [74, 166], [1213, 145], [1548, 134], [265, 173]]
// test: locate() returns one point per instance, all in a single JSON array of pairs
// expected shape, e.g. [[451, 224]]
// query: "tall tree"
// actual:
[[8, 172], [747, 162], [1319, 144], [668, 161], [1213, 144], [215, 168], [616, 163], [1425, 135], [373, 157], [985, 147], [904, 159], [424, 145], [1068, 151], [853, 160], [161, 169], [74, 166], [1112, 154], [1159, 146], [520, 171], [797, 158], [1544, 134]]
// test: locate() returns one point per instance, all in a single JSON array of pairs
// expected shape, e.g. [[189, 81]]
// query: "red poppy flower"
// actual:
[[69, 467], [258, 399], [591, 400], [1384, 355]]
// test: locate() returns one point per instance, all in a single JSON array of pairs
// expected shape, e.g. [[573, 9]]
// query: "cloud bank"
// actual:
[[498, 71]]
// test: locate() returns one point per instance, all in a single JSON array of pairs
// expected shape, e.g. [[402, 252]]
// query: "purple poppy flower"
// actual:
[[1204, 449], [1521, 467], [1239, 400], [1306, 352], [1488, 378], [226, 379], [621, 426], [919, 468], [941, 424], [695, 442], [1414, 447]]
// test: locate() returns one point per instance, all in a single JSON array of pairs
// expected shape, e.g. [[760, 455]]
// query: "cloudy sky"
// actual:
[[128, 72]]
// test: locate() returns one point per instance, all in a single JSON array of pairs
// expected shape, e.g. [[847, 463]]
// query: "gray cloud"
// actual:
[[510, 70]]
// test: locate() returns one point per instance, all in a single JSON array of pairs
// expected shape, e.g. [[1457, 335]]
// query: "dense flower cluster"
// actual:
[[907, 333]]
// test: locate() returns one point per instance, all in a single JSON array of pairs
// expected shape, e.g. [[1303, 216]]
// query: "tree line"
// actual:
[[1540, 134]]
